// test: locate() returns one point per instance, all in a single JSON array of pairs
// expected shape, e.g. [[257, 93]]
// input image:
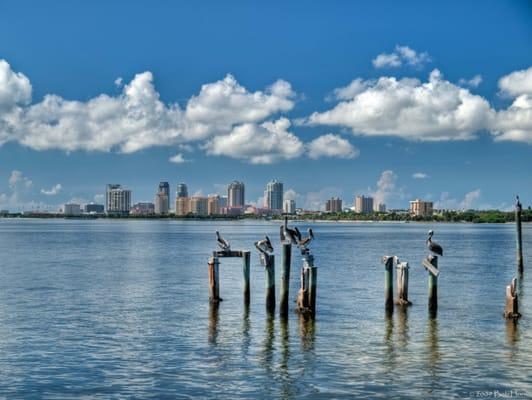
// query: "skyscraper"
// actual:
[[181, 190], [162, 199], [273, 195], [364, 204], [236, 194], [289, 206], [213, 205], [333, 205], [117, 199]]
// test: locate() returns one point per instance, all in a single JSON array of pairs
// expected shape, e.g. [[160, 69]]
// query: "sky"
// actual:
[[399, 100]]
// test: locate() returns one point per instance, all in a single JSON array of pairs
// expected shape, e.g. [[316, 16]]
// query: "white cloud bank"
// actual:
[[402, 55], [53, 191], [331, 145], [435, 110]]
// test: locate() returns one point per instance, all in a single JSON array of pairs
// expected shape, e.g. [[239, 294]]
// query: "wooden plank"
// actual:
[[227, 254], [430, 267]]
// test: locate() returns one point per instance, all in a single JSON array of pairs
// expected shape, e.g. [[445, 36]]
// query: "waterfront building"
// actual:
[[182, 206], [143, 209], [273, 195], [333, 205], [162, 199], [199, 205], [71, 210], [420, 208], [222, 202], [364, 204], [380, 207], [117, 199], [213, 205], [289, 206], [232, 211], [181, 190], [236, 194], [93, 208]]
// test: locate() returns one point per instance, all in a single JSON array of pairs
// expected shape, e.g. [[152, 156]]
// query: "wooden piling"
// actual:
[[312, 287], [285, 279], [519, 239], [388, 282], [302, 295], [512, 306], [270, 283], [402, 284], [214, 280], [246, 256], [433, 285]]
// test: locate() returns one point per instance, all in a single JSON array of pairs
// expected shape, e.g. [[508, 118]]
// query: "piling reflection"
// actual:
[[434, 355], [286, 387], [267, 346], [389, 359], [213, 322], [402, 326], [246, 328], [307, 332], [512, 336]]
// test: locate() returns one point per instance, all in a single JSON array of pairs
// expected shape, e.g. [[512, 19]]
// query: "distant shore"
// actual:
[[469, 216]]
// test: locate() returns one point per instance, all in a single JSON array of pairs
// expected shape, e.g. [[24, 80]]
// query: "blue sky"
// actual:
[[93, 92]]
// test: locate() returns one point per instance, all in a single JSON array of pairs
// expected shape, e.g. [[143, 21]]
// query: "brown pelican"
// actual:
[[306, 241], [433, 246], [264, 245], [517, 203], [224, 244], [291, 235]]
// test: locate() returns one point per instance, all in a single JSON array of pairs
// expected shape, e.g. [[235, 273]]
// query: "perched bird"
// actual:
[[306, 241], [264, 245], [224, 244], [433, 246], [517, 203], [289, 234]]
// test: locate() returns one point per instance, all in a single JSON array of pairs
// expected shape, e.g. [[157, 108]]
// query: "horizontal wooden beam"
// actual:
[[226, 254], [430, 267]]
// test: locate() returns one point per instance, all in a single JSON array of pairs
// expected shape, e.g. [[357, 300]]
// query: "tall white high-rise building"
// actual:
[[236, 194], [273, 195], [162, 199], [117, 199], [289, 206]]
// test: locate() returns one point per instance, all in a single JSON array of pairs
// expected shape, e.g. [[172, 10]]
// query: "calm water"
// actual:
[[120, 309]]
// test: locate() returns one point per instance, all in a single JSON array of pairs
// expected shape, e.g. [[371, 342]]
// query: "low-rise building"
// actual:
[[143, 209], [93, 208], [420, 208], [72, 210], [333, 205]]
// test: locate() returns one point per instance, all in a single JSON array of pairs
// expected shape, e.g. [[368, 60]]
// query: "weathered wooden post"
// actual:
[[402, 284], [512, 306], [312, 284], [388, 281], [285, 278], [246, 257], [519, 239], [214, 280], [269, 282], [431, 265]]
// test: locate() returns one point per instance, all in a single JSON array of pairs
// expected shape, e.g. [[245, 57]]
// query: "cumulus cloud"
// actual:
[[290, 194], [18, 180], [386, 187], [420, 175], [473, 82], [446, 202], [331, 145], [402, 55], [258, 144], [136, 118], [53, 191], [517, 83], [407, 108], [177, 159]]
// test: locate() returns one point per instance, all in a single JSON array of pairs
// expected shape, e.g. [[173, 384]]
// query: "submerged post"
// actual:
[[214, 280], [512, 306], [269, 282], [402, 284], [285, 278], [519, 239], [312, 288], [388, 281], [246, 256]]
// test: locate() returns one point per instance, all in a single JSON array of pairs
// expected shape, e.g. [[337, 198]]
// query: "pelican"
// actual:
[[224, 244], [289, 234], [433, 246], [306, 241], [517, 202], [264, 245]]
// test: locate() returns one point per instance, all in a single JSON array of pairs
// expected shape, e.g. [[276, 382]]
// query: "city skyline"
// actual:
[[395, 111]]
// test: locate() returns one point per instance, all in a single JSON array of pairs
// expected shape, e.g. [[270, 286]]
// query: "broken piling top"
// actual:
[[511, 310], [431, 264]]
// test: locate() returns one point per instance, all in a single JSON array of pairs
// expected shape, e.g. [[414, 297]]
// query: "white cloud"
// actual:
[[407, 108], [470, 199], [331, 145], [402, 55], [54, 190], [119, 81], [517, 83], [258, 144], [17, 180], [473, 82], [15, 87], [386, 187], [350, 91], [99, 198], [420, 175], [446, 202], [177, 159], [290, 194]]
